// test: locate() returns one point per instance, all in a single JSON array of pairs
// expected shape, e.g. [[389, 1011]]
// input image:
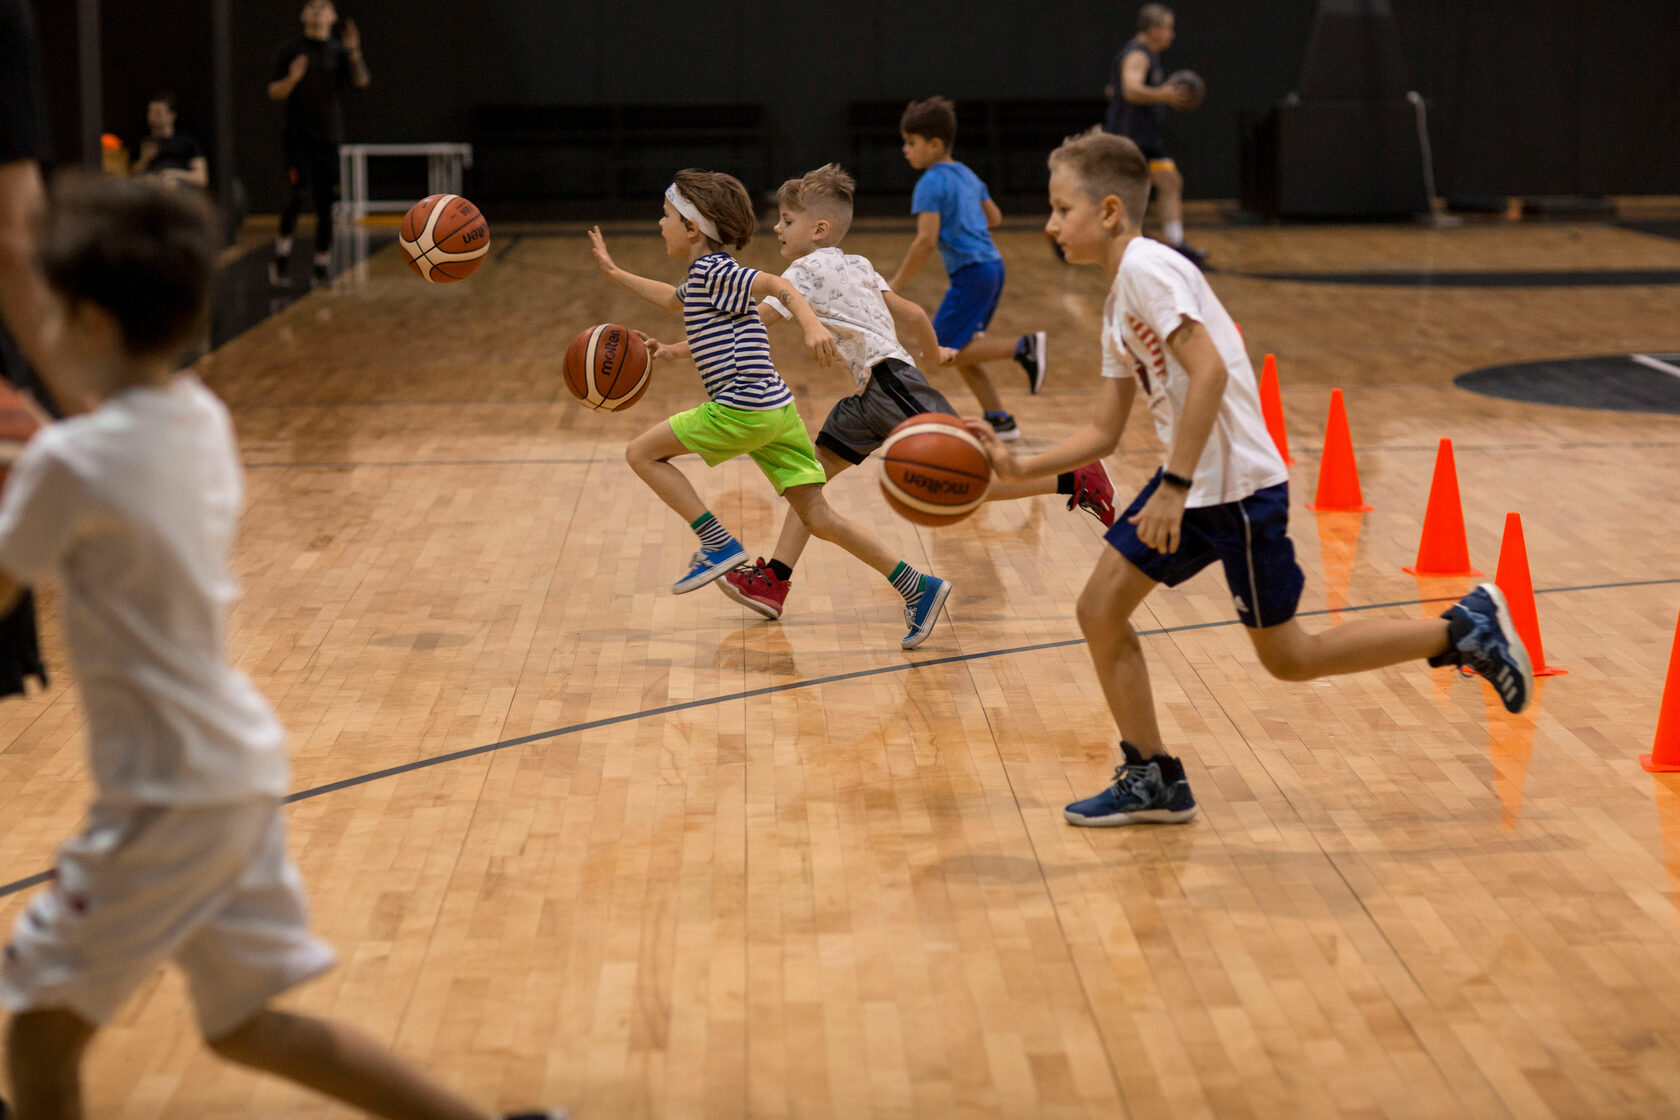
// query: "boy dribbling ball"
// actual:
[[865, 316], [1221, 496], [751, 410]]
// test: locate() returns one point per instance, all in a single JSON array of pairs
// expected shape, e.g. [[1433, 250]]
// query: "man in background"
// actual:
[[310, 75], [173, 157], [1139, 94]]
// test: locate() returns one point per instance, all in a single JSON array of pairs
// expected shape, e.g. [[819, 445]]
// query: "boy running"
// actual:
[[865, 316], [1222, 494]]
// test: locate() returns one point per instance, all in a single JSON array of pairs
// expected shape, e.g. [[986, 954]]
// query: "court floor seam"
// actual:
[[833, 678]]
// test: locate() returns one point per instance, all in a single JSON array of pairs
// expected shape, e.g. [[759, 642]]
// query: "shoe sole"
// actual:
[[1513, 642], [1007, 437], [748, 601], [694, 583], [939, 598], [1035, 379], [1144, 816]]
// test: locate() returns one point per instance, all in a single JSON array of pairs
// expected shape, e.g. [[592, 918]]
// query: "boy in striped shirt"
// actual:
[[751, 410]]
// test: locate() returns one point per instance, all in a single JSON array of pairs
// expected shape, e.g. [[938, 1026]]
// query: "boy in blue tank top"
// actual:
[[955, 211]]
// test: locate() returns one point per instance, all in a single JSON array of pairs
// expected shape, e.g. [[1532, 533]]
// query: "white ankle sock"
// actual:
[[1174, 232]]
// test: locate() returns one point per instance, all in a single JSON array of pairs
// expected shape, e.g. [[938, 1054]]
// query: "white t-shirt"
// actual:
[[135, 506], [1156, 289], [845, 292]]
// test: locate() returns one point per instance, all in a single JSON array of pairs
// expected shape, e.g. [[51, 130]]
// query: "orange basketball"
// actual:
[[608, 367], [445, 238], [933, 470], [17, 425]]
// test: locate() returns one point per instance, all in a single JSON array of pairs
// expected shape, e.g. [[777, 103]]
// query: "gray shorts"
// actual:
[[859, 424]]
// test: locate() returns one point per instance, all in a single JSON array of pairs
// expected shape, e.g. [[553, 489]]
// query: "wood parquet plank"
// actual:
[[857, 898]]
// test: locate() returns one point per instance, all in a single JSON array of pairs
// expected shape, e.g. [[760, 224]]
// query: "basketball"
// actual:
[[1191, 81], [607, 367], [933, 470], [17, 424], [445, 238]]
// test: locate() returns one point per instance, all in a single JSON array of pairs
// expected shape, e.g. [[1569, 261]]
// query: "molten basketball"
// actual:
[[445, 238], [933, 470], [17, 424], [608, 368]]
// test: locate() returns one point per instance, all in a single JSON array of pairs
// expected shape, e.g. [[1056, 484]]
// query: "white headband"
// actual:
[[692, 212]]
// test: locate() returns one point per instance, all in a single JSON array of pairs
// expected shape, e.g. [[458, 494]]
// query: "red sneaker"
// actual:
[[1093, 492], [758, 588]]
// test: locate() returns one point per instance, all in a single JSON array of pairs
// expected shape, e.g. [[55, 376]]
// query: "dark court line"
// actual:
[[791, 686]]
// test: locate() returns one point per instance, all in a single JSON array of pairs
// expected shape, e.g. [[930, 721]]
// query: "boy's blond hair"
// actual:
[[724, 200], [826, 192], [1106, 164]]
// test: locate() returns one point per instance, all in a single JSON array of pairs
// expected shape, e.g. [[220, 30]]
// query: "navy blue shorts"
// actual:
[[969, 303], [1250, 537]]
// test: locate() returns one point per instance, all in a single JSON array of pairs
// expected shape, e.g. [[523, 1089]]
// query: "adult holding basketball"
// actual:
[[310, 75], [1138, 97]]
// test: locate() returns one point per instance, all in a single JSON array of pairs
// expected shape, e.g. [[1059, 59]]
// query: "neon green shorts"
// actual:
[[776, 440]]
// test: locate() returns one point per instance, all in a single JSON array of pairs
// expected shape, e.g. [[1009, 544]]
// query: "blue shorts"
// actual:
[[1250, 537], [969, 303]]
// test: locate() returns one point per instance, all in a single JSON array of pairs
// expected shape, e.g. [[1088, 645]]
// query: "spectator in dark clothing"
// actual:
[[174, 157], [310, 75]]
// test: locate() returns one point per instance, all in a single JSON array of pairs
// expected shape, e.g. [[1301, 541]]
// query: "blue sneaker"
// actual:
[[710, 564], [921, 617], [1152, 791], [1484, 640]]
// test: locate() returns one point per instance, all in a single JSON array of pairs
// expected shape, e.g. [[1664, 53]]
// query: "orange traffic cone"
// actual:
[[1513, 579], [1665, 752], [1443, 550], [1338, 474], [1271, 407]]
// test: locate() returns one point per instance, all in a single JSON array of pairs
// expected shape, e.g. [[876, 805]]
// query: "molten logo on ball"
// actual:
[[933, 470]]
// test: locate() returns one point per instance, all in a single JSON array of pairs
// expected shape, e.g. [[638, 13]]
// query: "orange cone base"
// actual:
[[1551, 671], [1651, 764], [1316, 508], [1416, 571]]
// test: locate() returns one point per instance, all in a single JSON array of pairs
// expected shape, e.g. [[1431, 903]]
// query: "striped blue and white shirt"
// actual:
[[727, 337]]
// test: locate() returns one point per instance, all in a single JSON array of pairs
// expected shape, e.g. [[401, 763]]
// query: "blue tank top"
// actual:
[[1140, 122]]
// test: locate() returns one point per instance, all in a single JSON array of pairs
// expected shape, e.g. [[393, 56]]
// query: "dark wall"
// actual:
[[1527, 96]]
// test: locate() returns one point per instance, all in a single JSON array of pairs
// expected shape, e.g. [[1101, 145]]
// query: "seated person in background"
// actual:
[[174, 157]]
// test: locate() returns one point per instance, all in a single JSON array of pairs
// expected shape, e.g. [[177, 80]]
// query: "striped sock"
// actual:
[[713, 536], [907, 581]]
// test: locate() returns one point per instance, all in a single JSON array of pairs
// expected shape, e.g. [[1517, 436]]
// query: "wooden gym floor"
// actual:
[[579, 840]]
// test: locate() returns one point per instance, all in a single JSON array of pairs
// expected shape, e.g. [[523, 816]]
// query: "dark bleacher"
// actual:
[[1005, 142], [608, 160]]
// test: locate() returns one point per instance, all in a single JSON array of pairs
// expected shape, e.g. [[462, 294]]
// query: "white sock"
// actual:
[[1174, 232], [282, 246]]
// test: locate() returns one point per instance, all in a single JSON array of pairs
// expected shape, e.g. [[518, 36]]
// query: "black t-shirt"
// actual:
[[23, 124], [1140, 122], [315, 110], [174, 153]]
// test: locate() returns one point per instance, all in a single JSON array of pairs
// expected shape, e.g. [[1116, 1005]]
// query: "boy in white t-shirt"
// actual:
[[852, 300], [1222, 494], [134, 506]]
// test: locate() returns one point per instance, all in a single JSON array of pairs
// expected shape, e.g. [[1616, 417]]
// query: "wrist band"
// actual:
[[1176, 481]]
